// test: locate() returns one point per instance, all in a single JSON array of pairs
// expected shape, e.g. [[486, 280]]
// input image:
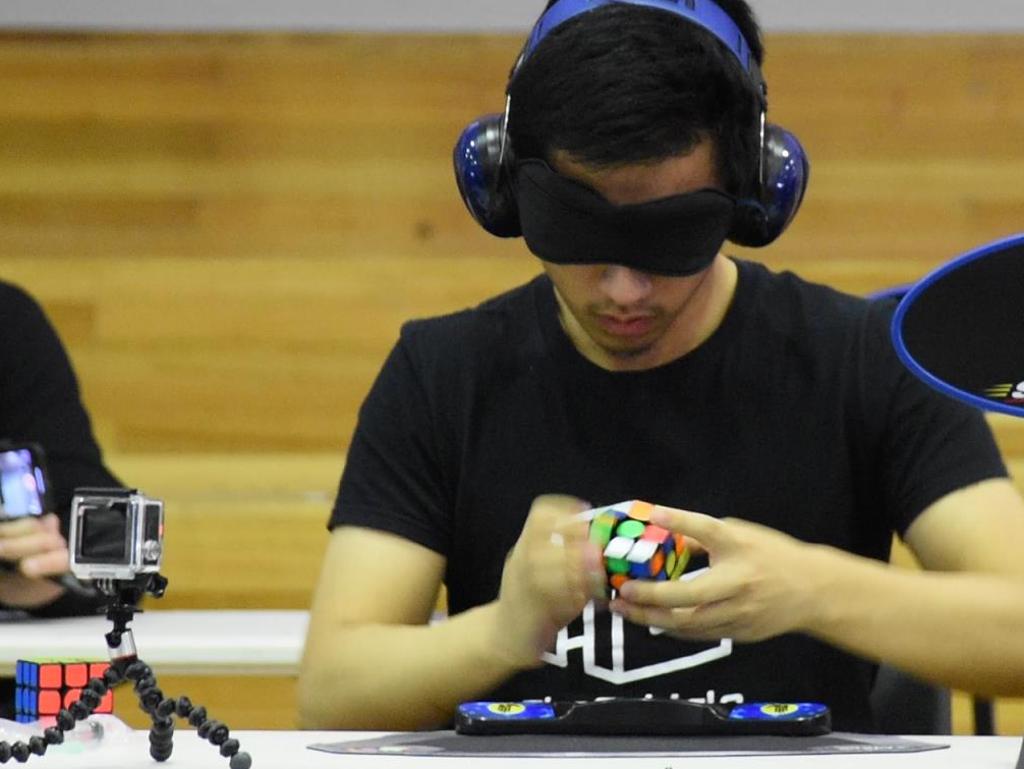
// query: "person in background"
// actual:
[[40, 403]]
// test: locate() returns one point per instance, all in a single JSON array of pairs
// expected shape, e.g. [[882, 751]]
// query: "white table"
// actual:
[[287, 750], [220, 642]]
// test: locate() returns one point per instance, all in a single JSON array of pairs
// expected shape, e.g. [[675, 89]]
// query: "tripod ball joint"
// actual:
[[240, 761], [80, 710], [90, 699], [65, 721], [183, 707], [137, 671], [145, 684], [204, 728], [162, 728], [216, 732], [112, 676], [166, 708], [20, 752], [151, 699], [197, 716]]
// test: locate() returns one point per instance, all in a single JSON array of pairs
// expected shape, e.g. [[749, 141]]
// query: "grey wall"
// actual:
[[484, 15]]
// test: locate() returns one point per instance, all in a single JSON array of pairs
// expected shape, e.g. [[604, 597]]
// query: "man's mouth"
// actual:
[[626, 325]]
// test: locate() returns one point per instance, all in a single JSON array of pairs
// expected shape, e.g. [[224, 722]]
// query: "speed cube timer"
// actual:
[[633, 547], [42, 687]]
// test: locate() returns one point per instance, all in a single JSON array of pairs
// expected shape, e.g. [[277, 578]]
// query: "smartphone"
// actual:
[[24, 486]]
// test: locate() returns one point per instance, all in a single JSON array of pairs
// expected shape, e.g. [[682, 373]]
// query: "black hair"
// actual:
[[629, 84]]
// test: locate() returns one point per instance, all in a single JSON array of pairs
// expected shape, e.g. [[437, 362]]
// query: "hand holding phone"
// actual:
[[30, 538], [24, 487]]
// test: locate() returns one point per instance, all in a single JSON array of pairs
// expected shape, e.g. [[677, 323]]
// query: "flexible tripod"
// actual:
[[125, 665]]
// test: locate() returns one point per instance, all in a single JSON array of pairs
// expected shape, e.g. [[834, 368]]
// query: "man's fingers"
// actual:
[[590, 564], [46, 565], [20, 527], [550, 513], [710, 532], [36, 543], [707, 587], [50, 522]]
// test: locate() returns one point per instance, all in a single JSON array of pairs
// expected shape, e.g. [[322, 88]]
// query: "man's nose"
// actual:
[[625, 286]]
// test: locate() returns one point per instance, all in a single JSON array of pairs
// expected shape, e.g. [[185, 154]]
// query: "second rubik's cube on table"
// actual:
[[43, 687], [634, 548]]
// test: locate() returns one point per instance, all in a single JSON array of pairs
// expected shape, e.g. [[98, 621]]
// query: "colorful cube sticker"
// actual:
[[633, 547]]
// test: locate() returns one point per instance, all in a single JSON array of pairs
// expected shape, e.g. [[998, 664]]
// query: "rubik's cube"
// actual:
[[634, 548], [43, 687]]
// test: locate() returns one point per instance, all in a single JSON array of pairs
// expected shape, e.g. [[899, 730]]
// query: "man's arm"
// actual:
[[373, 662], [960, 623], [961, 626]]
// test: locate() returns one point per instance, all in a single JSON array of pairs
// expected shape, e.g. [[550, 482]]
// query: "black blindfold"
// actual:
[[566, 222]]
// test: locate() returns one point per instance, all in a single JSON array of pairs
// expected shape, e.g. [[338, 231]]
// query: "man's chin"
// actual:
[[626, 350]]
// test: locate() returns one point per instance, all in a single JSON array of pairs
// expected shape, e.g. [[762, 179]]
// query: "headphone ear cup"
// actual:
[[483, 179], [787, 171]]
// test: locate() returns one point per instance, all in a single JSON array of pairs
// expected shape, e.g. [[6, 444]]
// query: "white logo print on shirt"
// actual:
[[618, 673]]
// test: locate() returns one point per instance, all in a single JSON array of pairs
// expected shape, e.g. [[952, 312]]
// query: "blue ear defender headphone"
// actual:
[[483, 157]]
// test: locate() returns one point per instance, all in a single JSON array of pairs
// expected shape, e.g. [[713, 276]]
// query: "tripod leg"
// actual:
[[216, 732], [152, 702], [161, 710]]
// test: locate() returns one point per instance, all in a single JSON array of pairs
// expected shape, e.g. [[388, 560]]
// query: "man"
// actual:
[[646, 364], [40, 403]]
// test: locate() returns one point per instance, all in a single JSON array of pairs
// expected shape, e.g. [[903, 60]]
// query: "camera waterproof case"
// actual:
[[115, 534], [647, 717]]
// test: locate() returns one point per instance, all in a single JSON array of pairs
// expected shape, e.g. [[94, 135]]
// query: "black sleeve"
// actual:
[[932, 445], [394, 477], [40, 403]]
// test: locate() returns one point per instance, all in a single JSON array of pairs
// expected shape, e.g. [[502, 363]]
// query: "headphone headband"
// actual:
[[703, 13]]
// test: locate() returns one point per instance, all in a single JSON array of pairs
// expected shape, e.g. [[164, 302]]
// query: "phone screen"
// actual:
[[22, 484]]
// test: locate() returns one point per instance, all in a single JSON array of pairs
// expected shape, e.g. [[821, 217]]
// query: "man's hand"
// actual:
[[37, 549], [550, 575], [760, 584]]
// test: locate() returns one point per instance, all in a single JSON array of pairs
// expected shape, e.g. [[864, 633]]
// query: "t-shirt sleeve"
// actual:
[[394, 479], [932, 445]]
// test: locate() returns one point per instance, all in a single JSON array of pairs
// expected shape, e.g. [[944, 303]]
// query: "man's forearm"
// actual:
[[394, 677], [964, 630]]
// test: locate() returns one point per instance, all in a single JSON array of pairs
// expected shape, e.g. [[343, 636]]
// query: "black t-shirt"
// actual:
[[795, 413], [40, 403]]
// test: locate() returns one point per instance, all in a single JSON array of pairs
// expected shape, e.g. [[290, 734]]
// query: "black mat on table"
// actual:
[[450, 744]]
